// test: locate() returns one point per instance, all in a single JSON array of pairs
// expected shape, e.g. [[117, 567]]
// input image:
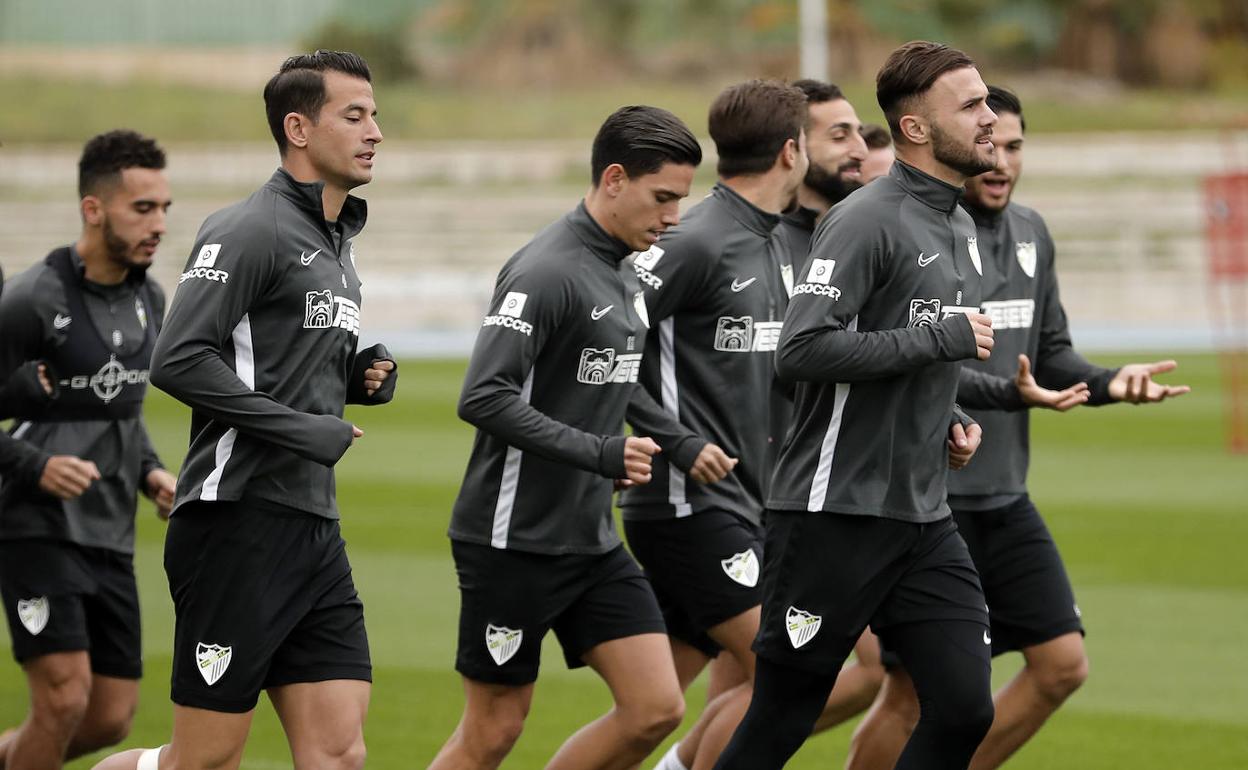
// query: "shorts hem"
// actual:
[[223, 705], [358, 673], [574, 658], [1022, 641], [118, 670], [497, 676], [51, 647]]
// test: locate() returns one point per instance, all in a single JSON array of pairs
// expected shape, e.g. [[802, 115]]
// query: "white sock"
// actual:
[[669, 761], [149, 759]]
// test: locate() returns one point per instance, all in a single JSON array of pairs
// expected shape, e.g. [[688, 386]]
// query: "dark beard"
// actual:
[[119, 251], [960, 159], [829, 186]]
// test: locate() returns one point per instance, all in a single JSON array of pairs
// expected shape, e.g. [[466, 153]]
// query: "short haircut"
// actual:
[[1002, 100], [909, 72], [106, 155], [751, 121], [642, 139], [817, 91], [876, 136], [299, 86]]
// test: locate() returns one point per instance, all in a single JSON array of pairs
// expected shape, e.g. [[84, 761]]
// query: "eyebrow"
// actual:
[[357, 106], [843, 126]]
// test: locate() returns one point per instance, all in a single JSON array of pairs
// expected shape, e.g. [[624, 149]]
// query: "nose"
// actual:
[[671, 214], [374, 132], [858, 147], [159, 225]]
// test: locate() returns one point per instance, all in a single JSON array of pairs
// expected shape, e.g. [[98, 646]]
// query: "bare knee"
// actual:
[[62, 701], [489, 741], [1058, 679], [648, 723]]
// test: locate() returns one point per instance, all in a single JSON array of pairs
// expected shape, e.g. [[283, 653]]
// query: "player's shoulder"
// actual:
[[1027, 214], [874, 208], [33, 287], [252, 220]]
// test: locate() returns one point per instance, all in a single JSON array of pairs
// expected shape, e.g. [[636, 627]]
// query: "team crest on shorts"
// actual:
[[742, 568], [34, 614], [801, 625], [213, 660], [502, 642]]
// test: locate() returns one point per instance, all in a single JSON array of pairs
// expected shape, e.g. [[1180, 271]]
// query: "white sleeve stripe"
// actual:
[[245, 368], [669, 391], [827, 452], [510, 482]]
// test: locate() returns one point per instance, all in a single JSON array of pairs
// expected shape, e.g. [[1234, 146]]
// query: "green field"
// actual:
[[1144, 501]]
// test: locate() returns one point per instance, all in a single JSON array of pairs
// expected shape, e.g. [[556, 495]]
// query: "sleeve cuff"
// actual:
[[611, 457]]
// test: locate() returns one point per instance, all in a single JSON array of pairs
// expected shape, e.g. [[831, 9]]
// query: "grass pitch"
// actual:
[[1145, 503]]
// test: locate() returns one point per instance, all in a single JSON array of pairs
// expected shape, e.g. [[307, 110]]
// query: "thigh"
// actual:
[[824, 577], [330, 641], [638, 669], [1029, 595], [613, 601], [44, 586], [705, 570], [206, 738], [321, 718], [113, 622], [239, 577]]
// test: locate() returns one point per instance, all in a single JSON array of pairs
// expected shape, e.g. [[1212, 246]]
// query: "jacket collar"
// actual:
[[802, 218], [597, 240], [135, 276], [743, 211], [983, 217], [307, 198], [929, 190]]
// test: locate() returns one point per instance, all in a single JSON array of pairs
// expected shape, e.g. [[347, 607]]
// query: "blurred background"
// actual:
[[489, 107]]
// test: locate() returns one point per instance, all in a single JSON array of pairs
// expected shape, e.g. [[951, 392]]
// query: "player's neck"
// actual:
[[332, 196], [809, 199], [925, 161], [97, 266], [766, 192]]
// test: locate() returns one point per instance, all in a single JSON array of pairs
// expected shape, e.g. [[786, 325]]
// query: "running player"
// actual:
[[67, 524], [261, 344], [552, 373], [879, 152], [1031, 604], [858, 530], [716, 298], [705, 561]]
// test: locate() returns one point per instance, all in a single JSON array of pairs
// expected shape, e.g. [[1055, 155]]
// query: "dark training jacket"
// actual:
[[552, 373], [716, 297], [1020, 294], [261, 344], [872, 336], [97, 341]]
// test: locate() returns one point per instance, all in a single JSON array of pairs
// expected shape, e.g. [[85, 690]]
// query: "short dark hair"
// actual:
[[106, 155], [876, 136], [1003, 100], [642, 139], [909, 72], [299, 86], [817, 91], [751, 121]]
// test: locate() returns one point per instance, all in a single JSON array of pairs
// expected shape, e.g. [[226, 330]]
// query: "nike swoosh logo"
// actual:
[[925, 262], [61, 321], [596, 313], [738, 285], [307, 258], [987, 638]]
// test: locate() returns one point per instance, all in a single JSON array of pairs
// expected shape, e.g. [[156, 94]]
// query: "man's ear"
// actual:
[[915, 129], [92, 209], [296, 127]]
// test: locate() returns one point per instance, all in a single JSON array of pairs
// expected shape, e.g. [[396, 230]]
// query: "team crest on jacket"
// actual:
[[972, 245], [34, 614], [602, 366], [213, 660], [924, 312], [1026, 253], [801, 625], [742, 568], [323, 310], [502, 642]]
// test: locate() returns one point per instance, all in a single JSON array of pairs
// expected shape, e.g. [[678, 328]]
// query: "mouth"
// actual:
[[366, 157], [148, 247], [851, 171], [984, 139], [997, 185]]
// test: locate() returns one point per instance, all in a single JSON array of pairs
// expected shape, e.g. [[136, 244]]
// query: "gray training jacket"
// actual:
[[716, 298], [872, 336], [1021, 296], [551, 376], [261, 343], [97, 343]]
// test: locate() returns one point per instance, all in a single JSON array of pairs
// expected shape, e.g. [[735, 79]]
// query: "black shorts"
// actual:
[[62, 597], [827, 576], [704, 568], [510, 599], [1030, 600], [263, 597]]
